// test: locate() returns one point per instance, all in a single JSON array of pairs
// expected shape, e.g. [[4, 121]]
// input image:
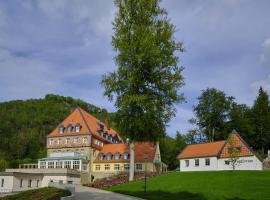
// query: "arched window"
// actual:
[[109, 156], [69, 128], [125, 155], [78, 128], [101, 156], [117, 156], [61, 129]]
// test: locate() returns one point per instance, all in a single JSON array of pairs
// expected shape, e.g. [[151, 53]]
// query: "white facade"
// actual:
[[215, 163], [15, 180]]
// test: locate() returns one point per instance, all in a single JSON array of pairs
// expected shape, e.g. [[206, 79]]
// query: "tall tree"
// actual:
[[240, 119], [211, 112], [146, 83], [261, 120]]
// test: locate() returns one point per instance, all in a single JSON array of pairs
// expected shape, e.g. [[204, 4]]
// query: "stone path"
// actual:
[[88, 193]]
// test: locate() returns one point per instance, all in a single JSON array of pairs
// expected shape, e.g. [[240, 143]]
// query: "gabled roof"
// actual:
[[210, 149], [140, 150], [216, 149], [89, 124]]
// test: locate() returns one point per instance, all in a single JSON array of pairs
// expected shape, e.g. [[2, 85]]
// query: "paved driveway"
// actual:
[[88, 193]]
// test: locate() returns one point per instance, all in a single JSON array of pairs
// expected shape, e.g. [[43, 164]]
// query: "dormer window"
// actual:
[[126, 156], [61, 129], [101, 156], [78, 128], [101, 126], [117, 156], [109, 156], [69, 129]]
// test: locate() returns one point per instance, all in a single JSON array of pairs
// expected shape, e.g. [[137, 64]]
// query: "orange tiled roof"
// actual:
[[88, 124], [140, 150], [202, 150], [216, 149]]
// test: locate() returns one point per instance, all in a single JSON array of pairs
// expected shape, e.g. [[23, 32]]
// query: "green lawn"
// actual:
[[46, 193], [224, 185]]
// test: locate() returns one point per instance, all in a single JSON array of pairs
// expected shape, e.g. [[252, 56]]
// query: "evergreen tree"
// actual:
[[148, 77], [261, 120]]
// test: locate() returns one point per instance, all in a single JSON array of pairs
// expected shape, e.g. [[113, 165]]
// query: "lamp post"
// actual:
[[145, 170]]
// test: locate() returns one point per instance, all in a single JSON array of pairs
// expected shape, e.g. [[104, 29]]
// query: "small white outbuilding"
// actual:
[[214, 156]]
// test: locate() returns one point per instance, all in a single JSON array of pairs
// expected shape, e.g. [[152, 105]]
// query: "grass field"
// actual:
[[47, 193], [224, 185]]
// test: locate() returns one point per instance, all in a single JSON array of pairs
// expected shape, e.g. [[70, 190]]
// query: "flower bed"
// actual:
[[119, 179]]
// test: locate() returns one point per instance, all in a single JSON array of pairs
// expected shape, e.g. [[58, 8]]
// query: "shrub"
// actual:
[[47, 193]]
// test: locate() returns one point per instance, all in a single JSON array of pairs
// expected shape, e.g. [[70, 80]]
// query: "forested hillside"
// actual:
[[24, 125]]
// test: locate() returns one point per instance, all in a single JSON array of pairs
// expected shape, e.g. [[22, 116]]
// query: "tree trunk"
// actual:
[[131, 163]]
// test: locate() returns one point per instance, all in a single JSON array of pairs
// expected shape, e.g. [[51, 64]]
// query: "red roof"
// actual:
[[202, 150], [89, 124], [140, 150]]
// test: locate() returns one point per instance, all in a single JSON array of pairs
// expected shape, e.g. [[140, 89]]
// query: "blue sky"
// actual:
[[64, 47]]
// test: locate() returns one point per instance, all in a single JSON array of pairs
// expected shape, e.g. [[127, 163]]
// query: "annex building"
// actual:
[[216, 156]]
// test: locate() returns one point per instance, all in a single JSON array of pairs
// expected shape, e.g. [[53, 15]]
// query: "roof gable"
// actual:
[[237, 142]]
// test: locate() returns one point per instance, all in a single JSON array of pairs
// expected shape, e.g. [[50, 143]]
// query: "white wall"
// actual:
[[202, 167], [8, 184], [244, 163], [55, 178]]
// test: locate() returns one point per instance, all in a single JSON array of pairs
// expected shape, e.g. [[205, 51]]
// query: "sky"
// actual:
[[64, 47]]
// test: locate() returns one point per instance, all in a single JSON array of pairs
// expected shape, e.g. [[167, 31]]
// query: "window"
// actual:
[[107, 167], [69, 129], [78, 128], [101, 156], [51, 141], [58, 164], [37, 183], [2, 182], [126, 167], [21, 183], [76, 140], [67, 140], [117, 156], [85, 140], [197, 162], [227, 162], [97, 167], [116, 167], [30, 183], [187, 163], [109, 156], [76, 164], [139, 167], [50, 164], [61, 129], [126, 156], [207, 161], [67, 164], [42, 164], [59, 141]]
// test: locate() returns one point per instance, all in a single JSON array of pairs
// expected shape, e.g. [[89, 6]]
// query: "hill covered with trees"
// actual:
[[25, 125]]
